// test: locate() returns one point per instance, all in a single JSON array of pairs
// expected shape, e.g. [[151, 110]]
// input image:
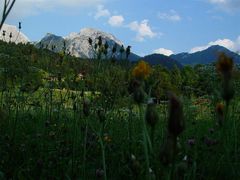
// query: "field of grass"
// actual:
[[106, 126]]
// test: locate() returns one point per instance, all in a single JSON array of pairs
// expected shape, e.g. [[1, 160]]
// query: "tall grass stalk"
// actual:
[[145, 140], [85, 148], [103, 150]]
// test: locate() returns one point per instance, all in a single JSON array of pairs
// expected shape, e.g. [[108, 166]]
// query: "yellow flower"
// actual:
[[142, 70]]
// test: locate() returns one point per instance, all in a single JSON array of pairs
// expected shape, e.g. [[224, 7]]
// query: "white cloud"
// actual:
[[226, 5], [172, 15], [102, 12], [143, 30], [116, 21], [23, 8], [227, 43], [163, 51]]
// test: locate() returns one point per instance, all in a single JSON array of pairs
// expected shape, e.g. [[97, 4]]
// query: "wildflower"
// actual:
[[141, 71], [225, 67], [176, 120], [224, 64]]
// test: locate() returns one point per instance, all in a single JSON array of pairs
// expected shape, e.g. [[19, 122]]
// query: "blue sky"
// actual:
[[163, 26]]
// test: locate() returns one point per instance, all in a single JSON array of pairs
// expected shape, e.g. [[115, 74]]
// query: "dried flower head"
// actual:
[[225, 67], [176, 120], [224, 64], [142, 70]]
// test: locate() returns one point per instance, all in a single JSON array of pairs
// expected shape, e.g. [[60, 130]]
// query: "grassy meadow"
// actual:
[[62, 117]]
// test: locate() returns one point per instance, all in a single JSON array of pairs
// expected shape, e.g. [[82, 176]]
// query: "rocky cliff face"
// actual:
[[77, 43]]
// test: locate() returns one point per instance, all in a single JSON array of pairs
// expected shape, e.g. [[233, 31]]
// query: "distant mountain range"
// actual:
[[77, 44], [207, 56]]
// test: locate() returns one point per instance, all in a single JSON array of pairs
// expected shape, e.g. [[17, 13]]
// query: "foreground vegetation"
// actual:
[[63, 117]]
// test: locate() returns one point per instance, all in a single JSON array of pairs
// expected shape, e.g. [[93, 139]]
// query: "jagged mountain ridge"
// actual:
[[50, 40], [77, 43], [17, 36]]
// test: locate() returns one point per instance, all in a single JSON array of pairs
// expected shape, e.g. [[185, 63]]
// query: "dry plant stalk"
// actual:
[[8, 5]]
